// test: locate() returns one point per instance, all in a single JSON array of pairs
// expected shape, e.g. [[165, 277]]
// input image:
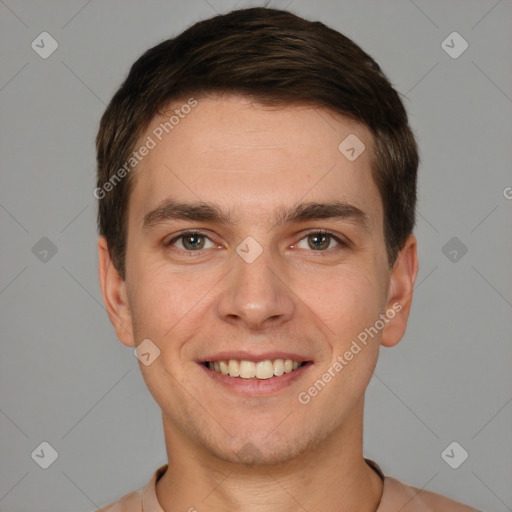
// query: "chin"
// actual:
[[269, 450]]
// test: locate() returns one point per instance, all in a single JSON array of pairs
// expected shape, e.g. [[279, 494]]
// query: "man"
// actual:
[[257, 191]]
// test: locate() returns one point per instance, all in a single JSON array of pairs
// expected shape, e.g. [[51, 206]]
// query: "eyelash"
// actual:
[[184, 234]]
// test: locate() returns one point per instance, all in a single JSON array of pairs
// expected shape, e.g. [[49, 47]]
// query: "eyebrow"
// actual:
[[171, 209]]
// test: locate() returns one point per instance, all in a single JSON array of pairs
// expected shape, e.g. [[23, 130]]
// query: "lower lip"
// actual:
[[257, 387]]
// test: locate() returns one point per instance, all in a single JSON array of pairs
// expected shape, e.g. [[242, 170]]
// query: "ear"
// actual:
[[400, 291], [113, 289]]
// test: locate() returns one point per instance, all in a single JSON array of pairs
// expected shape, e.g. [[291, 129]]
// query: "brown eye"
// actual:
[[321, 241], [193, 241], [189, 241]]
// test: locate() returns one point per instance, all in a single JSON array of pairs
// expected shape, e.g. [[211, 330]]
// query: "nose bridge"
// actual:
[[255, 293]]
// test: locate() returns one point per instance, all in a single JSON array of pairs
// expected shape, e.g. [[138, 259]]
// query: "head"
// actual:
[[235, 130]]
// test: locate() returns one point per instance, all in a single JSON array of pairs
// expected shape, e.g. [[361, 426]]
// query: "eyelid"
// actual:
[[338, 238], [183, 234], [342, 242]]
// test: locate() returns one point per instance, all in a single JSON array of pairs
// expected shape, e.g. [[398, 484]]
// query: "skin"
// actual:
[[254, 160]]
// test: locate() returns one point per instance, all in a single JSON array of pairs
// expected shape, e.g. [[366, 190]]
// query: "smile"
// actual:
[[261, 370]]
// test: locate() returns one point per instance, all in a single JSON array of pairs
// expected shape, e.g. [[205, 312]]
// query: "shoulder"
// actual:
[[131, 502], [412, 499]]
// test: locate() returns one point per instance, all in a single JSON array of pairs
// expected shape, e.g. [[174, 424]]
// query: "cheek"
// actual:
[[348, 300], [164, 304]]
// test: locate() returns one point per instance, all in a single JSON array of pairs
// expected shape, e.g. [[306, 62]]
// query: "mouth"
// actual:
[[255, 370]]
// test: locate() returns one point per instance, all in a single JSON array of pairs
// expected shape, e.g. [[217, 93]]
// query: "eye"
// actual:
[[191, 241], [195, 241], [321, 241]]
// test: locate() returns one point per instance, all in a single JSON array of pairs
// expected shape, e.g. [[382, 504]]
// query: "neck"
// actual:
[[330, 476]]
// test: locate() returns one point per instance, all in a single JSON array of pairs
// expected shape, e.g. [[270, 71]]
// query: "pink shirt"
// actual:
[[396, 496]]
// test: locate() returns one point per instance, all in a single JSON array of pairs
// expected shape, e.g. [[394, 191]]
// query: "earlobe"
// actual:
[[400, 292], [115, 297]]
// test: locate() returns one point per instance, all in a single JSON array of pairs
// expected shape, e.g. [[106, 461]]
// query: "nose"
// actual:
[[256, 295]]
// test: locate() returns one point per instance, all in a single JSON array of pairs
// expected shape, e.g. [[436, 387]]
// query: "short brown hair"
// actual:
[[276, 58]]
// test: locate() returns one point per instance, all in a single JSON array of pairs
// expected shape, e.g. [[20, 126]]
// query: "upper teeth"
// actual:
[[249, 369]]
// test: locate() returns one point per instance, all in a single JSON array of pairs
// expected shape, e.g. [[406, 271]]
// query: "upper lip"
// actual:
[[251, 356]]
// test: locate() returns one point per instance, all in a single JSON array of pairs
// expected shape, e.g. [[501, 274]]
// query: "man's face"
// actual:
[[212, 295]]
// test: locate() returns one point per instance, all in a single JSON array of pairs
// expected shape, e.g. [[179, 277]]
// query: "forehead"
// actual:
[[255, 159]]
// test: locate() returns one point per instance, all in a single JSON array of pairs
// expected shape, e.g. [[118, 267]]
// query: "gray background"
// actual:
[[64, 377]]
